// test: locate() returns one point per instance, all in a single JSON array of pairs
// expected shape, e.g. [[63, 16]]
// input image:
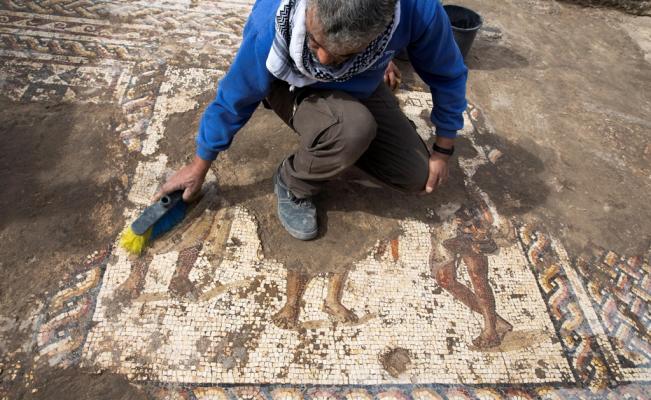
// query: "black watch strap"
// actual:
[[441, 150]]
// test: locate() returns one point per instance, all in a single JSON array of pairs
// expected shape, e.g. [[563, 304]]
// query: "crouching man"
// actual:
[[324, 66]]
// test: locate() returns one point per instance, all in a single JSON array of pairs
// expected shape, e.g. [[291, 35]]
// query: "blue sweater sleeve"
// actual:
[[240, 91], [438, 61]]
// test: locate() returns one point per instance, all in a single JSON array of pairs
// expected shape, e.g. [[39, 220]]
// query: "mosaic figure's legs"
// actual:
[[287, 317], [180, 285], [332, 304], [132, 287], [490, 336], [480, 301]]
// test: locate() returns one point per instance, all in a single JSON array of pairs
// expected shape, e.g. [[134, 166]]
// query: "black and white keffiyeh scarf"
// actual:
[[291, 60]]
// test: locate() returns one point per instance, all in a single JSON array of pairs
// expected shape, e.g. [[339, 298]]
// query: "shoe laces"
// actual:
[[303, 203]]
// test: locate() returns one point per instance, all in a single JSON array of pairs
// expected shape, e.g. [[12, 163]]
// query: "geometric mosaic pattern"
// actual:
[[420, 392], [620, 291], [581, 326], [580, 342], [67, 316]]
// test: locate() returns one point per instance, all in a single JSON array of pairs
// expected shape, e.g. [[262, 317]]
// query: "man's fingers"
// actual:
[[168, 187], [431, 183], [442, 178], [394, 81], [392, 76], [158, 195], [388, 79], [188, 194], [445, 176]]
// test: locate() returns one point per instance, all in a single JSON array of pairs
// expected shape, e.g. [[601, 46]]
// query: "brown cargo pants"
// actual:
[[338, 131]]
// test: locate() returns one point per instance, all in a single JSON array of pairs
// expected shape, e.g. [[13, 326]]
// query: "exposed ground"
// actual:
[[64, 174], [635, 7], [350, 213], [568, 90], [352, 210]]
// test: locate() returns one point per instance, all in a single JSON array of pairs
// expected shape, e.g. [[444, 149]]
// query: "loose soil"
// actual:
[[567, 95], [64, 173], [81, 384], [354, 211], [636, 7], [396, 361], [353, 217]]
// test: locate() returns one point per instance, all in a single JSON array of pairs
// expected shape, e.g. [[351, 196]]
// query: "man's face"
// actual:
[[316, 40]]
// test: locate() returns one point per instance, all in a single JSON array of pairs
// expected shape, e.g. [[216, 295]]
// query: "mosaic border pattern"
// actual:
[[425, 392], [66, 318], [583, 352], [80, 32], [619, 290]]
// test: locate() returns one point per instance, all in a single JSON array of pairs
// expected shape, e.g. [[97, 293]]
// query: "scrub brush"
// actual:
[[155, 220]]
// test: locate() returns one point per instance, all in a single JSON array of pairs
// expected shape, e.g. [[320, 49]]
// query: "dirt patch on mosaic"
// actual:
[[58, 384], [64, 174], [636, 7], [572, 130], [181, 129], [396, 361], [354, 211]]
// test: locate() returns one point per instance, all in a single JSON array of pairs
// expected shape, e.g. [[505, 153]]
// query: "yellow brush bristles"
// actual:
[[134, 243]]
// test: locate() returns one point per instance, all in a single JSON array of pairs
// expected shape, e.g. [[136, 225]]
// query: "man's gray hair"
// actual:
[[352, 23]]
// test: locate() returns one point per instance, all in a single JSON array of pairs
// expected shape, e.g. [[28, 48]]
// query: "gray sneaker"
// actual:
[[298, 216]]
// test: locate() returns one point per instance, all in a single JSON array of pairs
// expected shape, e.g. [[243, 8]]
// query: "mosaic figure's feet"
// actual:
[[488, 339], [338, 312], [181, 286], [129, 290], [287, 317], [502, 326]]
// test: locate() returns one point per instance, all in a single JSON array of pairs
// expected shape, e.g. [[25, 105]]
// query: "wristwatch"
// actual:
[[441, 150]]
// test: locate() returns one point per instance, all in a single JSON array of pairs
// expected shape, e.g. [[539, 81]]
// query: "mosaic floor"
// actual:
[[195, 318]]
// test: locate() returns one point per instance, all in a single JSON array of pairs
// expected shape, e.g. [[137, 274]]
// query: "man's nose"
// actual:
[[324, 57]]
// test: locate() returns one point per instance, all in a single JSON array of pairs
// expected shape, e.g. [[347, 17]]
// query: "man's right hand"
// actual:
[[189, 179]]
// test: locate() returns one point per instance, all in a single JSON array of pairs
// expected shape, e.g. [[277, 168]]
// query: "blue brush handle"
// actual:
[[156, 211]]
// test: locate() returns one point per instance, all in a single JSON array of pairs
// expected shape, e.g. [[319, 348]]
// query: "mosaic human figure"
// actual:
[[473, 241], [287, 317], [188, 242], [180, 284]]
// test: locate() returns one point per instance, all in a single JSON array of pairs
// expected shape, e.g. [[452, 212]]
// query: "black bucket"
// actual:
[[465, 25]]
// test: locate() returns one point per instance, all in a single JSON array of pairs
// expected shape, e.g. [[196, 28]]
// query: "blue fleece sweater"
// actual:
[[425, 31]]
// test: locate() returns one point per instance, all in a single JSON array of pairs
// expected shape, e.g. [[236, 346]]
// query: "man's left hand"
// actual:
[[392, 76], [438, 171]]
